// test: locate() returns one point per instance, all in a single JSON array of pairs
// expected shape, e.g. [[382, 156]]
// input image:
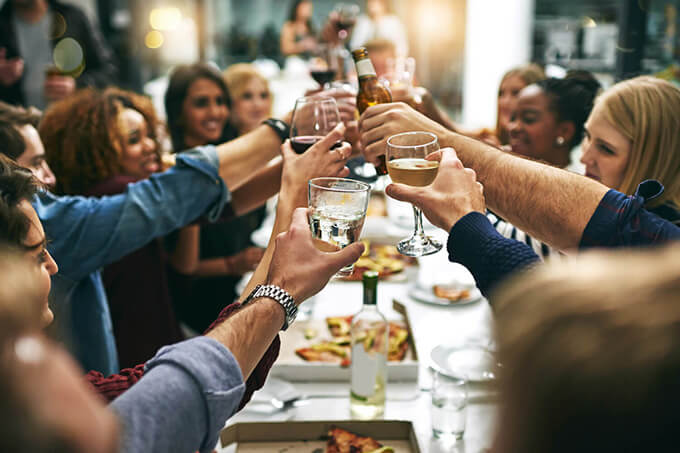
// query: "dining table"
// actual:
[[431, 325]]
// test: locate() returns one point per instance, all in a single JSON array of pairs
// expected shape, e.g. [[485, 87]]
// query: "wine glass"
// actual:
[[314, 117], [406, 164], [347, 14], [324, 65]]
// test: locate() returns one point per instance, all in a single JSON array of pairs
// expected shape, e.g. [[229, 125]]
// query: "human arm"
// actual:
[[253, 193], [237, 264], [291, 47], [184, 256], [552, 205], [508, 230]]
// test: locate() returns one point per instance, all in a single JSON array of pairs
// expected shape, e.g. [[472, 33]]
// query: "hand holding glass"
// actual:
[[406, 164], [337, 209], [314, 117]]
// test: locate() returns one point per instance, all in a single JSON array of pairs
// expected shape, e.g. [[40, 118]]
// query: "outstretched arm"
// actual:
[[552, 205]]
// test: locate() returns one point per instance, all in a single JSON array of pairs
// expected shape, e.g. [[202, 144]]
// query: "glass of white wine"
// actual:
[[406, 164]]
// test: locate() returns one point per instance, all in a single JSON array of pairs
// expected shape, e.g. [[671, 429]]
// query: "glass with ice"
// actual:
[[337, 209]]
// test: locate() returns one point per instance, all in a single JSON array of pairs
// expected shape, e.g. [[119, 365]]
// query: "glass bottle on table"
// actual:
[[371, 91], [369, 339]]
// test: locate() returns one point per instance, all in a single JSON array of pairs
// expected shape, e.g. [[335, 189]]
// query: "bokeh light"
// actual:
[[68, 57], [154, 39], [165, 18]]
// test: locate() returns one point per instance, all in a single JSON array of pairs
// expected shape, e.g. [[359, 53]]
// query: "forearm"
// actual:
[[185, 256], [552, 205], [242, 157], [263, 316], [257, 190]]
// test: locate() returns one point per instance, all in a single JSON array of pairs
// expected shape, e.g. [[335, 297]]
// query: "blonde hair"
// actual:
[[590, 347], [646, 110], [239, 75], [529, 73]]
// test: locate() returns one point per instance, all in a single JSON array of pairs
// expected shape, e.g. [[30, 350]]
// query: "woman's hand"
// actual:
[[244, 261]]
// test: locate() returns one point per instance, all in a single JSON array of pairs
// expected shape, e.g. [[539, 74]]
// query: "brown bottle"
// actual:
[[371, 92]]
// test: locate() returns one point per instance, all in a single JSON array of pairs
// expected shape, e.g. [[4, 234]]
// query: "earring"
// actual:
[[559, 141]]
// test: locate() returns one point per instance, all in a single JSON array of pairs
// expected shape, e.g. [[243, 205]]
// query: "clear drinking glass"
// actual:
[[337, 210], [314, 117], [449, 404], [406, 164]]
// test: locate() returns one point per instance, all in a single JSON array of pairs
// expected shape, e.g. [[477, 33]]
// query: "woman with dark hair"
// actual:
[[548, 121], [217, 255], [298, 34]]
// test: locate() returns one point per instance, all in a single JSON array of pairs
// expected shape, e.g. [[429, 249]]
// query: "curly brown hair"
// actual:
[[83, 139]]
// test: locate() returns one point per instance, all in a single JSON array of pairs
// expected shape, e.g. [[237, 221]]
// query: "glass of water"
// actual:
[[449, 403], [337, 209]]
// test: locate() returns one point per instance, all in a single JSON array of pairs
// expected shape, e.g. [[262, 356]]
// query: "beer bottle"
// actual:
[[369, 339], [371, 92]]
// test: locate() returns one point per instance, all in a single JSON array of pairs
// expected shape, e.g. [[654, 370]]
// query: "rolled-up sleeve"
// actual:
[[188, 392], [89, 233]]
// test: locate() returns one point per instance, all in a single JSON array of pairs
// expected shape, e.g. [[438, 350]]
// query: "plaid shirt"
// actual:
[[111, 387]]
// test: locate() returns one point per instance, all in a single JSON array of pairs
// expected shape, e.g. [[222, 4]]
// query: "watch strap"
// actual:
[[281, 296], [280, 127]]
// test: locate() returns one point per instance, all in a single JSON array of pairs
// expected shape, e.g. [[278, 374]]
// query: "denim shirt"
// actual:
[[86, 234]]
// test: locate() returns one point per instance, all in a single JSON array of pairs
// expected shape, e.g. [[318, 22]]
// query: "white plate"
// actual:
[[427, 296], [472, 362]]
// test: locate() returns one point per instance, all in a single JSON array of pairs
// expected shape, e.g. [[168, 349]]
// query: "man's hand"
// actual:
[[10, 69], [299, 267], [319, 160], [380, 122], [454, 193], [57, 87]]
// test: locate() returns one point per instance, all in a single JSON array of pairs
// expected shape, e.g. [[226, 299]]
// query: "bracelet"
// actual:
[[280, 127]]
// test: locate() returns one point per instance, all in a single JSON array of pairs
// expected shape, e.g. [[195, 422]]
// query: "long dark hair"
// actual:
[[181, 79], [292, 14], [572, 99]]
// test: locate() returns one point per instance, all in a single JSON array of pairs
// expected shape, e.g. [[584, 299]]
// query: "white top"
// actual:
[[388, 27]]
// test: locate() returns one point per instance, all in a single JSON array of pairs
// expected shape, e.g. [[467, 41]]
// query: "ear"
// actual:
[[566, 130]]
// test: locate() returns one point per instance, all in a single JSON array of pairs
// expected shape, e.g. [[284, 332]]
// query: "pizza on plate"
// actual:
[[383, 259], [343, 441]]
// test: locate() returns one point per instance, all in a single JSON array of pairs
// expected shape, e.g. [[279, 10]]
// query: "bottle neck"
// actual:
[[370, 297], [365, 68]]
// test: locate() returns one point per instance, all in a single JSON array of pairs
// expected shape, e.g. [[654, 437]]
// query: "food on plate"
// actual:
[[310, 333], [343, 441], [384, 259], [338, 349], [450, 293]]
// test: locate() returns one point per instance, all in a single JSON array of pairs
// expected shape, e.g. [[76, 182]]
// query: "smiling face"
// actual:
[[507, 98], [252, 106], [34, 156], [139, 157], [605, 150], [204, 113], [40, 259]]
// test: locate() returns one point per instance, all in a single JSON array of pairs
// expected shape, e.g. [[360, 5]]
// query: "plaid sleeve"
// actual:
[[621, 220], [112, 386]]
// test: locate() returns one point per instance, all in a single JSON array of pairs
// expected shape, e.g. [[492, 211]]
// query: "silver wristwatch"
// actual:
[[278, 294]]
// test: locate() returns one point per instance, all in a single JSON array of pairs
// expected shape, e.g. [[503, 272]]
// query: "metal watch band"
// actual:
[[280, 127], [278, 294]]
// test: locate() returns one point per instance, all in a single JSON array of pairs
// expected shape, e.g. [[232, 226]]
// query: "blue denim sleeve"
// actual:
[[188, 392], [489, 256], [622, 220], [86, 234]]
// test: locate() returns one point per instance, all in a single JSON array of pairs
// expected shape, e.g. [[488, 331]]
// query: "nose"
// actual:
[[48, 177], [51, 265], [587, 153], [514, 127], [149, 145]]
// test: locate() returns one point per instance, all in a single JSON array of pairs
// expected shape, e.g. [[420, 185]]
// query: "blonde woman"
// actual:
[[590, 349], [251, 100]]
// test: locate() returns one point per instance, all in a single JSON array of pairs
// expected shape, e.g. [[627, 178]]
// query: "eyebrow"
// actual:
[[40, 245]]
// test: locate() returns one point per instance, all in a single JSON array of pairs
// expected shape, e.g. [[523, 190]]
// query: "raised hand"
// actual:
[[454, 193], [11, 69], [299, 267]]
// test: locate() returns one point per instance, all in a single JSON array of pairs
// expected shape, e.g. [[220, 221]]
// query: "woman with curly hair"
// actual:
[[98, 142]]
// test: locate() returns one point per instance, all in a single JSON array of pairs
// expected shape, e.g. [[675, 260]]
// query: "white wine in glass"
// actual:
[[406, 164]]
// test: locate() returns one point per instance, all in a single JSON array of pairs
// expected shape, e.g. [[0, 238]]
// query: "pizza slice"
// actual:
[[343, 441], [339, 325], [327, 352]]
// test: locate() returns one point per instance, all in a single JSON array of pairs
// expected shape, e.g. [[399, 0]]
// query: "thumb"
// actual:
[[346, 256], [287, 150], [402, 192], [334, 136]]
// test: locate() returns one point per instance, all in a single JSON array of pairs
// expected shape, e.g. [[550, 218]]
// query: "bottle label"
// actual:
[[365, 67], [365, 368]]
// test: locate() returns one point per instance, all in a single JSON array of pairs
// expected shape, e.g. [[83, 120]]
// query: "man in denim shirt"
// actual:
[[86, 234]]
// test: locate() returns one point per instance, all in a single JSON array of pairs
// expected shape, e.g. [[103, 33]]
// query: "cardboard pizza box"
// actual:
[[311, 436]]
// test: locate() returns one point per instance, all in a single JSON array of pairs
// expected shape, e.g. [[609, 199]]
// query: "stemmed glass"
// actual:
[[314, 117], [406, 164], [347, 14], [324, 65]]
